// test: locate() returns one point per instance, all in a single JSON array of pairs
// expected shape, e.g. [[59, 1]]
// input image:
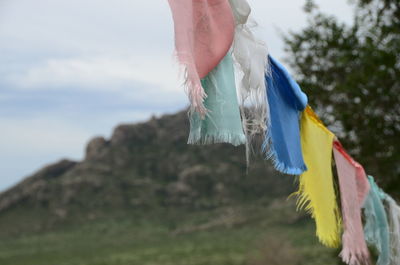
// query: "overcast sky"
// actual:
[[74, 69]]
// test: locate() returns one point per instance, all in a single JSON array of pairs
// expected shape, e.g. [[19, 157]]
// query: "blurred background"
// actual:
[[94, 163]]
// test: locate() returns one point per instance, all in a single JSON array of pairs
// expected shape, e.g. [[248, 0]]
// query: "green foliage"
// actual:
[[243, 235], [351, 75]]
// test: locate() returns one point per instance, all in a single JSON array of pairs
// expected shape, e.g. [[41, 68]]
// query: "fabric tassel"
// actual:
[[204, 31], [394, 229], [351, 173], [376, 224], [286, 101], [317, 192], [250, 56], [222, 123]]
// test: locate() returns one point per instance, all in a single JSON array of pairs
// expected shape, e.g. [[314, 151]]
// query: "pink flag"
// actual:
[[354, 188], [204, 31]]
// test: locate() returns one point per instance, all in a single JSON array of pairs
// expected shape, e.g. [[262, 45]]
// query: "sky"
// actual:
[[71, 70]]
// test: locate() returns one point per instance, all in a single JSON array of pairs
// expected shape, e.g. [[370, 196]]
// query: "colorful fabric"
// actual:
[[351, 173], [317, 192], [286, 101], [393, 213], [250, 56], [222, 124], [376, 227], [204, 31]]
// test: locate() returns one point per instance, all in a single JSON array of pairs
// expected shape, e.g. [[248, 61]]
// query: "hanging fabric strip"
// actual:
[[250, 56], [355, 250], [394, 229], [376, 225], [222, 123], [204, 31], [317, 192], [286, 101]]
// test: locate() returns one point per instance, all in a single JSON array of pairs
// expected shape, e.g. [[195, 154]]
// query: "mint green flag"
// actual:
[[223, 123], [376, 227]]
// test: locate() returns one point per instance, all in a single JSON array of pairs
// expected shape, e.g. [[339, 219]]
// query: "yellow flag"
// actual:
[[317, 192]]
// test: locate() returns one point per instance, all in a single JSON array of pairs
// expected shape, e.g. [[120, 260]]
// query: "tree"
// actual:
[[351, 75]]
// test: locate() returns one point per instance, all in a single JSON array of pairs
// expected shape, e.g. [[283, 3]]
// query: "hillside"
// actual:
[[146, 197], [142, 167]]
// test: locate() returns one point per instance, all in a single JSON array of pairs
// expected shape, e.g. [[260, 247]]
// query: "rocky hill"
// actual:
[[142, 167]]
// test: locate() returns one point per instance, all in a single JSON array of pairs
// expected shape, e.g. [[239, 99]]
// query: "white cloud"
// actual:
[[99, 73], [90, 25]]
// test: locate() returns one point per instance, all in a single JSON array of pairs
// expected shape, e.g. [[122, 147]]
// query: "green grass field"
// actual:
[[245, 235]]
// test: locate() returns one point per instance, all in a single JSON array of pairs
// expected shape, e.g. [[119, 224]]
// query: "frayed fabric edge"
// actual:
[[304, 203], [394, 229], [192, 86], [214, 138], [250, 57], [354, 259], [271, 154]]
